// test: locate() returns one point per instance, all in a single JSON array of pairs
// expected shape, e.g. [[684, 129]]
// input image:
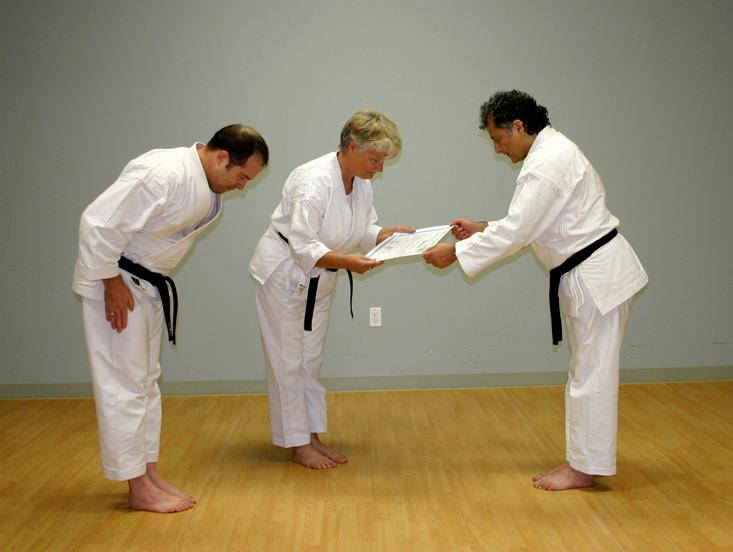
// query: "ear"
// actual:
[[222, 157], [518, 125]]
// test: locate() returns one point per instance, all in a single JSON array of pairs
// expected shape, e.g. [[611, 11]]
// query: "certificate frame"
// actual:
[[404, 244]]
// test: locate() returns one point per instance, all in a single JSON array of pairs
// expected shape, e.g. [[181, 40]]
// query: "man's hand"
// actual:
[[117, 300], [464, 228], [441, 255], [360, 264], [386, 232]]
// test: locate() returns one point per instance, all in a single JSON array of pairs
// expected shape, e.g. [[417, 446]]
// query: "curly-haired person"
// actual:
[[559, 208]]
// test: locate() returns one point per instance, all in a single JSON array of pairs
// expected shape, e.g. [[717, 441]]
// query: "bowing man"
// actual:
[[559, 208], [130, 238]]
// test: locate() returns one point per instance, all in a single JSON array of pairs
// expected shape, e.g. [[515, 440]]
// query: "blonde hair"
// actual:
[[371, 130]]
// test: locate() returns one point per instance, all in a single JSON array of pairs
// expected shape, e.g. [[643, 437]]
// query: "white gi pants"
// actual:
[[591, 393], [293, 357], [125, 371]]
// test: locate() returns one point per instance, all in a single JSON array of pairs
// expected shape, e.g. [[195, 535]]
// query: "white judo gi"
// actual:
[[317, 217], [151, 214], [559, 208]]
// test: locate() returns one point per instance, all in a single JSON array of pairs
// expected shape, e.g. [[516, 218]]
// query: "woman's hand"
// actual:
[[387, 231], [360, 264], [353, 262]]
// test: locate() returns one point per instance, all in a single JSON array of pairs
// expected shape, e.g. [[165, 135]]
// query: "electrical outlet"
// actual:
[[375, 317]]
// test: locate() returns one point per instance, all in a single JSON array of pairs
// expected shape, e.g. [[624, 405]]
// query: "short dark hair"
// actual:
[[240, 142], [505, 107]]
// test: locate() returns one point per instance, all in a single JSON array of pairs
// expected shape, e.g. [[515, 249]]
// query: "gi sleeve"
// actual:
[[536, 203], [310, 199], [369, 240], [109, 223]]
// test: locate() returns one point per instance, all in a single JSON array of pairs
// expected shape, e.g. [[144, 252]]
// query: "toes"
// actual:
[[183, 505], [541, 484]]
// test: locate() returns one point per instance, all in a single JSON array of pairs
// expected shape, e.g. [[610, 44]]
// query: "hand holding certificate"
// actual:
[[405, 245]]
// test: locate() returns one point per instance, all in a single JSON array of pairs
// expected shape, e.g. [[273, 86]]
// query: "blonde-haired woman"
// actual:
[[326, 211]]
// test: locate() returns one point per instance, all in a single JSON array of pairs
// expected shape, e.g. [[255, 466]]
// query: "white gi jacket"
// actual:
[[559, 207], [151, 214], [316, 216]]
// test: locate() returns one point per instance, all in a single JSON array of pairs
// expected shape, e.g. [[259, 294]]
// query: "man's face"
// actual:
[[509, 141], [367, 163], [234, 177]]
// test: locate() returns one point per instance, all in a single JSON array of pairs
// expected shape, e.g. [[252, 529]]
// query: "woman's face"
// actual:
[[366, 163]]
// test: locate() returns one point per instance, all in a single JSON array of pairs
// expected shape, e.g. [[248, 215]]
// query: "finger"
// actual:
[[109, 314], [123, 319]]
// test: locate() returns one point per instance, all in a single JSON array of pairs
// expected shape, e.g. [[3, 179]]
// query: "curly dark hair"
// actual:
[[505, 107], [240, 142]]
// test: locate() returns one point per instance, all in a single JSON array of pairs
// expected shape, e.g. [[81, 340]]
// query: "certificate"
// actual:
[[401, 244]]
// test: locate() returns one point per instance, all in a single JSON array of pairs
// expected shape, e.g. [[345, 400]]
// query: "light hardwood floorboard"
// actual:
[[443, 470]]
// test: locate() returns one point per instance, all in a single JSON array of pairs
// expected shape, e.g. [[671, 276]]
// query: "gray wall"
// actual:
[[642, 86]]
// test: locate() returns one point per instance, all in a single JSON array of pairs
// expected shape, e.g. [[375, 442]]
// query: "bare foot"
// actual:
[[164, 485], [564, 477], [538, 476], [323, 449], [145, 495], [309, 456]]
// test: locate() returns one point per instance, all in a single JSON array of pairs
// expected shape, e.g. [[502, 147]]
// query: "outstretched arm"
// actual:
[[356, 263], [464, 228], [441, 255]]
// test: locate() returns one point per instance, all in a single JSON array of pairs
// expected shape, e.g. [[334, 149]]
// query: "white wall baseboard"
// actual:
[[379, 383]]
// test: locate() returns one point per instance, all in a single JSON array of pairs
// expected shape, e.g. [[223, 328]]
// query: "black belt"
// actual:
[[310, 301], [570, 263], [161, 283]]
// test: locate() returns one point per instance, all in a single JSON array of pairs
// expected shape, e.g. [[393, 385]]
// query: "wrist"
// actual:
[[112, 281]]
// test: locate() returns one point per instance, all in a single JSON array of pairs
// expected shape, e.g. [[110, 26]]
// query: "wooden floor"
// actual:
[[444, 470]]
